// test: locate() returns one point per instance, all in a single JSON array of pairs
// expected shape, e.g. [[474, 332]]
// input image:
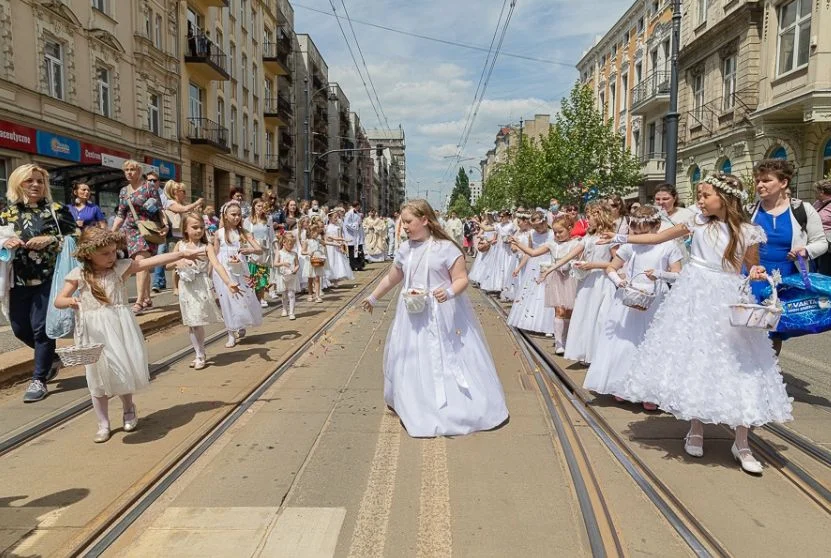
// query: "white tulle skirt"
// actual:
[[483, 266], [238, 311], [439, 375], [594, 295], [337, 264], [528, 311], [694, 364]]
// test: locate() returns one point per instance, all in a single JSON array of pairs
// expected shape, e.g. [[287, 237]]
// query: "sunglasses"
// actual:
[[152, 180]]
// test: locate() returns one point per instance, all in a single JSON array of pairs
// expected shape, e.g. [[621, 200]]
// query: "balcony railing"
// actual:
[[653, 156], [202, 131], [654, 85], [202, 50], [276, 57]]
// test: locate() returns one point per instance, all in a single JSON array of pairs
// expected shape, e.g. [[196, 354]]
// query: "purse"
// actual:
[[61, 322], [415, 299], [148, 230]]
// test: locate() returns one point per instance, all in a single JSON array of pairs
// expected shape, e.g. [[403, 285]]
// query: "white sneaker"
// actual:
[[559, 350], [263, 303], [291, 317], [283, 314]]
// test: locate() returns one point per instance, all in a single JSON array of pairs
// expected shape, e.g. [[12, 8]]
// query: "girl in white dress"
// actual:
[[302, 234], [483, 267], [104, 316], [284, 273], [594, 291], [259, 265], [337, 259], [439, 376], [239, 304], [196, 301], [648, 268], [528, 311], [728, 375], [523, 236], [313, 250], [504, 258], [560, 288]]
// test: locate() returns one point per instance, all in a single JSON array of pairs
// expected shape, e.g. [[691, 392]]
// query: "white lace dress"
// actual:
[[313, 248], [337, 263], [692, 362], [243, 310], [196, 301], [528, 311], [439, 375], [122, 368], [282, 277], [483, 265]]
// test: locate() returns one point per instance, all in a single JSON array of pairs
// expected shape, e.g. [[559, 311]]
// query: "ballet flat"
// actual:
[[749, 463], [102, 435], [694, 451], [131, 424], [199, 364]]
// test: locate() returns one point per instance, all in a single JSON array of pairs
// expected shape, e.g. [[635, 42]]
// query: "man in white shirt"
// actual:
[[455, 228], [353, 231]]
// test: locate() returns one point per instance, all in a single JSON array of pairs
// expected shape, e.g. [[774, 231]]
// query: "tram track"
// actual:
[[555, 386], [106, 529]]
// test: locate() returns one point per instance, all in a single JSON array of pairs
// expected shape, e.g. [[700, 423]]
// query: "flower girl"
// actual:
[[646, 268], [105, 317], [286, 264], [729, 375], [196, 301], [439, 375], [239, 304], [314, 261], [528, 311], [337, 257]]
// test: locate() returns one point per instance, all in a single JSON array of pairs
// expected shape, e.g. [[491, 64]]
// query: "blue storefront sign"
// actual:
[[59, 147], [167, 169]]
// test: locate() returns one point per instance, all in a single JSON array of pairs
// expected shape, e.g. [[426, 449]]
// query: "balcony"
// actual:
[[276, 57], [287, 139], [202, 131], [651, 94], [205, 4], [203, 57], [279, 165], [278, 111], [653, 165]]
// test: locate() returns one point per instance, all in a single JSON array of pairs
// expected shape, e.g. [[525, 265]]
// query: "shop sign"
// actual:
[[91, 154], [17, 137], [116, 162], [167, 169], [59, 147]]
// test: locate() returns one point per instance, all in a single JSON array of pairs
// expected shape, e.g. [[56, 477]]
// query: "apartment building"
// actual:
[[312, 91], [628, 72], [362, 167], [84, 86], [754, 83], [509, 137], [341, 177], [394, 159]]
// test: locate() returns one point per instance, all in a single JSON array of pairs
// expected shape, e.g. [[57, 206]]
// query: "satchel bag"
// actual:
[[415, 299], [150, 231], [61, 322]]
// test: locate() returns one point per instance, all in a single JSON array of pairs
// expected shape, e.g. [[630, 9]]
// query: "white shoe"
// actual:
[[749, 463], [263, 304], [199, 363], [549, 335], [291, 317], [231, 343], [130, 424], [284, 314], [318, 299], [102, 435], [692, 449], [559, 350]]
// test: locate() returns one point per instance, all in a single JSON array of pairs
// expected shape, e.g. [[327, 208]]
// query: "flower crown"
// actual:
[[227, 205], [87, 247], [649, 220], [722, 185]]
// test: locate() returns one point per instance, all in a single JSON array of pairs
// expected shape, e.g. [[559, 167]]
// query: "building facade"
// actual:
[[341, 178], [509, 137], [394, 160], [628, 72]]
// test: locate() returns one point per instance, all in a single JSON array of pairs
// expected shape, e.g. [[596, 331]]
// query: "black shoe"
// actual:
[[54, 369], [35, 392]]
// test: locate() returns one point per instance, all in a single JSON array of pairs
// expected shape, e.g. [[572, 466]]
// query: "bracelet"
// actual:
[[450, 293], [372, 300], [620, 239]]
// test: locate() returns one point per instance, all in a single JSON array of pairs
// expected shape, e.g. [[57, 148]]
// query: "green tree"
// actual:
[[461, 188], [462, 207]]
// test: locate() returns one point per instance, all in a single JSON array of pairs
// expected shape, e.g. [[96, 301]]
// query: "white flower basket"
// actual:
[[80, 355], [415, 300], [756, 316], [637, 298]]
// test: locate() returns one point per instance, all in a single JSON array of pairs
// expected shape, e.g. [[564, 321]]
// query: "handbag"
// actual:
[[61, 322], [415, 299], [150, 231], [756, 316]]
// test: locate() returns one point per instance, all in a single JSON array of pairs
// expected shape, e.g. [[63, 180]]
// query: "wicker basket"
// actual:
[[638, 299], [756, 316], [80, 355], [317, 261]]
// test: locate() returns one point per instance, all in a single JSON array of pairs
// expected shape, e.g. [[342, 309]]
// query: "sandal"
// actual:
[[147, 303], [138, 309]]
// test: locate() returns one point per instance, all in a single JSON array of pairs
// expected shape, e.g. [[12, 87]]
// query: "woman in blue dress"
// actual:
[[86, 213]]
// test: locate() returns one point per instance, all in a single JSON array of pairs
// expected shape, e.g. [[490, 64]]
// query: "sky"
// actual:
[[428, 88]]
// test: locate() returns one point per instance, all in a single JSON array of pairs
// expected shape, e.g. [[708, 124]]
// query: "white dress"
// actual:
[[337, 263], [511, 291], [122, 368], [196, 301], [263, 233], [624, 328], [692, 362], [483, 266], [243, 310], [594, 295], [314, 248], [502, 262], [439, 375], [528, 311], [282, 277]]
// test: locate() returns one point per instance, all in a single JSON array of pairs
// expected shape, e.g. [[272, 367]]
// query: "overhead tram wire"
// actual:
[[436, 39], [366, 68], [355, 61]]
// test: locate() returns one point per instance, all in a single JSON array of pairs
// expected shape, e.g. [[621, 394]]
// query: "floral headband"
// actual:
[[722, 185], [86, 248], [227, 205], [648, 220]]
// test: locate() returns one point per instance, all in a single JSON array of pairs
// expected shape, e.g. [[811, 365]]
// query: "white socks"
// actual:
[[288, 301], [560, 333], [197, 339], [101, 405]]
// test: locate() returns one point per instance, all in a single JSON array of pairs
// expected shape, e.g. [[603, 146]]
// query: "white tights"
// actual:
[[101, 406], [197, 339], [288, 301]]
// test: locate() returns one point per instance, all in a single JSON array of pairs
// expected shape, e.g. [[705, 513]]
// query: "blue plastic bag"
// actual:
[[60, 323], [806, 304]]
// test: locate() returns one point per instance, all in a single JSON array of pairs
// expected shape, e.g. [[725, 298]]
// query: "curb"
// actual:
[[17, 365]]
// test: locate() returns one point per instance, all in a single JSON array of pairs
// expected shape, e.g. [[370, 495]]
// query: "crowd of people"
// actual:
[[227, 265]]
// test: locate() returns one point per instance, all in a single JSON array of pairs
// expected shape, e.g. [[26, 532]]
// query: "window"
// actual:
[[242, 12], [254, 79], [655, 6], [234, 140], [652, 135], [636, 143], [245, 136], [244, 71], [614, 50], [148, 23], [269, 144], [153, 112], [701, 11], [104, 97], [624, 88], [638, 73], [157, 38], [612, 105], [220, 39], [640, 26], [53, 59], [603, 105], [256, 139], [101, 5], [220, 112], [794, 35], [194, 101], [698, 97], [232, 56], [267, 84], [603, 60], [729, 87]]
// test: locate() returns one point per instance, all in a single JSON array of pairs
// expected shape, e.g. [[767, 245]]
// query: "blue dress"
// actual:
[[773, 255]]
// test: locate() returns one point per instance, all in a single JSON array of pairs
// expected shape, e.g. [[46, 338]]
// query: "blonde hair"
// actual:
[[604, 220], [14, 190], [171, 187], [421, 209], [288, 237], [92, 240], [130, 164], [196, 217]]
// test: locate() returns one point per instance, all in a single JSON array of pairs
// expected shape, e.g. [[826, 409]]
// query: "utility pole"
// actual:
[[671, 120], [520, 132], [307, 145]]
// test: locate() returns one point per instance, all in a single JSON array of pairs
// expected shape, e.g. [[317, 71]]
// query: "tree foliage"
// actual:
[[461, 188], [581, 158]]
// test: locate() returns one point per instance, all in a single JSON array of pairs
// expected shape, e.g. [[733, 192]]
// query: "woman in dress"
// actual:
[[259, 265], [666, 198], [528, 311], [375, 237], [86, 213], [291, 215], [139, 199], [439, 376], [729, 375], [504, 258]]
